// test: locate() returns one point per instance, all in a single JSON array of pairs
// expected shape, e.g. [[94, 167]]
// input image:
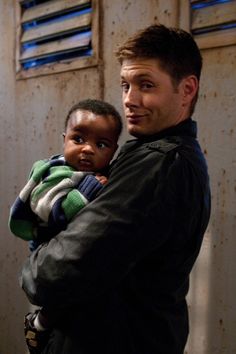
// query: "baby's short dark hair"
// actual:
[[97, 107]]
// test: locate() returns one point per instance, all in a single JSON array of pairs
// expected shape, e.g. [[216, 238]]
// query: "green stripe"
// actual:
[[57, 174], [72, 204], [38, 170]]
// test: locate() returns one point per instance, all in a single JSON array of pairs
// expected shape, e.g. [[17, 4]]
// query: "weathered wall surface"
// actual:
[[31, 123], [12, 301], [213, 288], [31, 126]]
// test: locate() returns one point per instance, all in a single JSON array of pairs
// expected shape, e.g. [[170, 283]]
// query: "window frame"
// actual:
[[59, 66], [219, 38]]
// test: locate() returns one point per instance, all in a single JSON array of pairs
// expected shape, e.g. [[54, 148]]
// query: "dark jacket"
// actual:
[[116, 280]]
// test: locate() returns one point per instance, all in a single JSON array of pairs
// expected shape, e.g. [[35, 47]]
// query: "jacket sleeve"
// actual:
[[108, 237]]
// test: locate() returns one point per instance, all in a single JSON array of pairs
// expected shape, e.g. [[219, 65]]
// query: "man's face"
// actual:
[[151, 102]]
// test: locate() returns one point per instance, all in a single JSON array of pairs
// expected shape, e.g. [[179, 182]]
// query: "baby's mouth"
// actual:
[[85, 162]]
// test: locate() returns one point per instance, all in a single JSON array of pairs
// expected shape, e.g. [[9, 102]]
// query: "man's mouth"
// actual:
[[134, 118]]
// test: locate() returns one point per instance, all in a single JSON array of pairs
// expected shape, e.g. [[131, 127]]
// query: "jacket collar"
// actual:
[[186, 128]]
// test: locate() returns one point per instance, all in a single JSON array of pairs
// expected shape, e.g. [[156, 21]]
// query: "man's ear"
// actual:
[[190, 88]]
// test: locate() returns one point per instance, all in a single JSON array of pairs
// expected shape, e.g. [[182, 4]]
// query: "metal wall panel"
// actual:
[[31, 126], [213, 287], [13, 303]]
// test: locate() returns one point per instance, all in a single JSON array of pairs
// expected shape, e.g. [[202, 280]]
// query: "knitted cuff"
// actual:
[[38, 325], [89, 187]]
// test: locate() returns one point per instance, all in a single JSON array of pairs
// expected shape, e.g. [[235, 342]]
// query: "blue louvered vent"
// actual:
[[223, 20], [54, 31]]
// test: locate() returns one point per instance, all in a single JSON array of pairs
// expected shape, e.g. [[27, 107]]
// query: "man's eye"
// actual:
[[124, 86], [146, 85]]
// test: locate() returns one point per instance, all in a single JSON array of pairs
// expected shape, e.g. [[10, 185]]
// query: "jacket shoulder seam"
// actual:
[[164, 146]]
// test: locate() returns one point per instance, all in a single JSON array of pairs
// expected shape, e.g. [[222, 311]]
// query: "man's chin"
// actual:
[[136, 132]]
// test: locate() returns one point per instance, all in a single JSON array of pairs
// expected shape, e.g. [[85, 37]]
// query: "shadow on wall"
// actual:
[[211, 299]]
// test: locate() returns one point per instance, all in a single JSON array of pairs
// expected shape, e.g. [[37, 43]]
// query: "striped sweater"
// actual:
[[53, 195]]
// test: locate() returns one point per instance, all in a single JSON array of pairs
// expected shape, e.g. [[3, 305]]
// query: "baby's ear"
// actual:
[[63, 139]]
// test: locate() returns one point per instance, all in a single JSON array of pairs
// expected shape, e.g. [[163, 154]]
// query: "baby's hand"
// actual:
[[101, 179]]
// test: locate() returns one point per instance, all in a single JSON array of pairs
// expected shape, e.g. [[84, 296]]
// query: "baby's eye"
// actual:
[[78, 139], [101, 145]]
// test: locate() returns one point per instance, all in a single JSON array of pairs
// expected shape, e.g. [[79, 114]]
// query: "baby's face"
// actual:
[[90, 141]]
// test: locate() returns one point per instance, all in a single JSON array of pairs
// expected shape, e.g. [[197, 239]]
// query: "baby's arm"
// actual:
[[22, 221], [77, 195]]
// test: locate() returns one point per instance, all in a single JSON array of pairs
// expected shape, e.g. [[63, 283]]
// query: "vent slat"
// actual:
[[75, 42], [58, 28], [214, 15], [51, 8]]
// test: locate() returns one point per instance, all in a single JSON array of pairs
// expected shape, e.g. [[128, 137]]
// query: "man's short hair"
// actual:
[[176, 50], [97, 107]]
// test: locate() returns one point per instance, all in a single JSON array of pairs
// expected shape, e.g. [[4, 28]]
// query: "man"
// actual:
[[120, 273]]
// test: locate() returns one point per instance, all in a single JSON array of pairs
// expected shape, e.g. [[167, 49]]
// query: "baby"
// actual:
[[60, 186]]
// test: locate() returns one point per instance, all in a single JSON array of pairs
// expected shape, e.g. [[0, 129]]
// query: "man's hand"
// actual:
[[36, 340], [102, 179]]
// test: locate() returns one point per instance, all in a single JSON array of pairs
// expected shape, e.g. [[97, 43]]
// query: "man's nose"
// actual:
[[131, 98], [88, 148]]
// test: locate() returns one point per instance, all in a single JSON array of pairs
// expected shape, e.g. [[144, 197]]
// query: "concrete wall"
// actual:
[[31, 123]]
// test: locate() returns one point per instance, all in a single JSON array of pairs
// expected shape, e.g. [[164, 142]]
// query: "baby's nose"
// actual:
[[88, 148]]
